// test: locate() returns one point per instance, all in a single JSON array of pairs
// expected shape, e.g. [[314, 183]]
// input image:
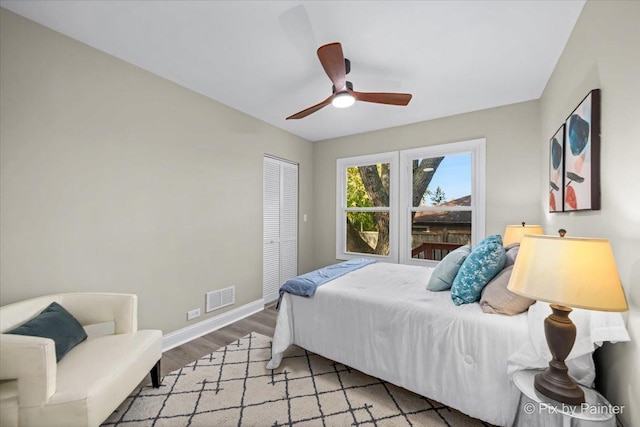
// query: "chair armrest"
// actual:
[[92, 308], [31, 361]]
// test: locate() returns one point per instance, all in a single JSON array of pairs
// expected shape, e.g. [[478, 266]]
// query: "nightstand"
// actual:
[[537, 410]]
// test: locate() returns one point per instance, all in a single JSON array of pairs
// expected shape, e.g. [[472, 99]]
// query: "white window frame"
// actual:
[[400, 197], [342, 209], [478, 191]]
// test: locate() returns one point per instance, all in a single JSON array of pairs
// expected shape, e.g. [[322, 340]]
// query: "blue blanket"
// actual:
[[307, 284]]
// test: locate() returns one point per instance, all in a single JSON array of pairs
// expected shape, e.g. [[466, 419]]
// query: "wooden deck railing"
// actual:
[[433, 250]]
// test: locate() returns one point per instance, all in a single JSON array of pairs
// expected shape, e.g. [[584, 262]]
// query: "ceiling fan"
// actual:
[[337, 67]]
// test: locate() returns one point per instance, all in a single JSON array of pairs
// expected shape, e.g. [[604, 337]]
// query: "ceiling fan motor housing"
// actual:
[[349, 86]]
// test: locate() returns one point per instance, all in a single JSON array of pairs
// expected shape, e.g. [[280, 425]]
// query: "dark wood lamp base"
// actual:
[[555, 381]]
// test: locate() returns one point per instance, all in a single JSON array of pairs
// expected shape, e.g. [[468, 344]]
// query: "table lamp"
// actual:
[[566, 272], [514, 233]]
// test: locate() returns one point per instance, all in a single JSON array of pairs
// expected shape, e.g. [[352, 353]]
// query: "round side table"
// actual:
[[537, 410]]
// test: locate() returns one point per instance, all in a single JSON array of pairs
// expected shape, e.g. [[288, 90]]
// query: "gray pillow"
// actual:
[[511, 246], [446, 270], [56, 323], [512, 253], [497, 299]]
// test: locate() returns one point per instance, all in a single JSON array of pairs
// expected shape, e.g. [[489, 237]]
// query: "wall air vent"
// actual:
[[220, 298]]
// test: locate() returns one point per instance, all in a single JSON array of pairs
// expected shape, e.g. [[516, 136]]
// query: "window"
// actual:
[[366, 207], [442, 198], [435, 198]]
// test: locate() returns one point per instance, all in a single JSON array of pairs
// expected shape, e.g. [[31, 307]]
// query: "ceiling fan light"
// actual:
[[343, 100]]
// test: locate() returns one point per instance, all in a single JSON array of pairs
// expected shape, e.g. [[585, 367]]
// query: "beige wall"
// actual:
[[113, 179], [603, 52], [512, 134]]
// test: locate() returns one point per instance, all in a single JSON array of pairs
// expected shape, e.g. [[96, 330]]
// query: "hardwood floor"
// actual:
[[263, 323]]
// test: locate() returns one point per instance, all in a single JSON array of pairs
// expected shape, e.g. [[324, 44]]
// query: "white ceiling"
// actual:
[[259, 57]]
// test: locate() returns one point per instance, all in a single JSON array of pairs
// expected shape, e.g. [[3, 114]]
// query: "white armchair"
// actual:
[[92, 380]]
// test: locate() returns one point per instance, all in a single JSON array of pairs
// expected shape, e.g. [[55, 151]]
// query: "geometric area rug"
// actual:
[[232, 387]]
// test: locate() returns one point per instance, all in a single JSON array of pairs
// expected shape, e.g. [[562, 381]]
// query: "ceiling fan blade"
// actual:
[[297, 26], [383, 97], [332, 60], [310, 110]]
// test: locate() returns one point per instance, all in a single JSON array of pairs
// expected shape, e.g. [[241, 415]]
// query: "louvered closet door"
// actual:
[[271, 229], [280, 225], [289, 222]]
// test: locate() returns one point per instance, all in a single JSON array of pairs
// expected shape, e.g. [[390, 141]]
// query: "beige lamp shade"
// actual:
[[514, 233], [574, 272]]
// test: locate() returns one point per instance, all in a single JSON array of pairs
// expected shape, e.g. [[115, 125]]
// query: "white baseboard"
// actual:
[[181, 336]]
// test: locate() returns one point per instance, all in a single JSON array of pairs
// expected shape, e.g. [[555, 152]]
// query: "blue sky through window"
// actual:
[[453, 176]]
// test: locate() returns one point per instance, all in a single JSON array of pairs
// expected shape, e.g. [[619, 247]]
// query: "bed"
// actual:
[[381, 320]]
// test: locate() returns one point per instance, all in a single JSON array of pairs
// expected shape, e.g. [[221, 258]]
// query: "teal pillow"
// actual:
[[483, 263], [446, 270], [56, 323]]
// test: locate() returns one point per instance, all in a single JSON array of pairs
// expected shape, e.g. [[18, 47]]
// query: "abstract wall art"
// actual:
[[556, 171], [582, 155]]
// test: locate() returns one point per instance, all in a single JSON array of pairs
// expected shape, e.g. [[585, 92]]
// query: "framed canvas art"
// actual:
[[582, 155], [556, 171]]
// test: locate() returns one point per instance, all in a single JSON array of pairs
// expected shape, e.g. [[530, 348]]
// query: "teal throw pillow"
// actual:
[[446, 270], [482, 264], [56, 323]]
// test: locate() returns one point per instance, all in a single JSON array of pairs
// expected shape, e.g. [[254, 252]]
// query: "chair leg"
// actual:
[[155, 375]]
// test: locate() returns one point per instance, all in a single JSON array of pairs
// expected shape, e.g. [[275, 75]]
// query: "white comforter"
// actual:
[[381, 321]]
